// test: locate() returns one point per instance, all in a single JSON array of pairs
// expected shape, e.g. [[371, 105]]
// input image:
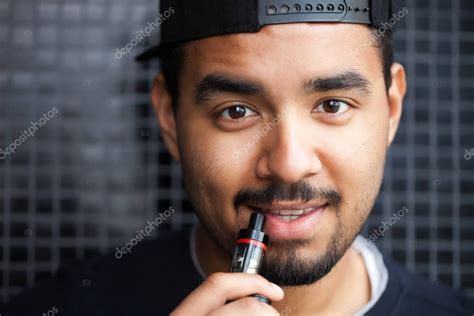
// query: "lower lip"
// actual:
[[300, 228]]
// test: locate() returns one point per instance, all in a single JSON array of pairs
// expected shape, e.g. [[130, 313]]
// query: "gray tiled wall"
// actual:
[[97, 171]]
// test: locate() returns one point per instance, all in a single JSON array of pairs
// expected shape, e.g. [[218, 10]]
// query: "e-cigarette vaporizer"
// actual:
[[250, 249]]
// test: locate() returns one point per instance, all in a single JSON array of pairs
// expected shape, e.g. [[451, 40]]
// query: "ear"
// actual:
[[396, 94], [163, 105]]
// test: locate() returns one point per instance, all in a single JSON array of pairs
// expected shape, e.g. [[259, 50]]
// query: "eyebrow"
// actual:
[[216, 83], [349, 80]]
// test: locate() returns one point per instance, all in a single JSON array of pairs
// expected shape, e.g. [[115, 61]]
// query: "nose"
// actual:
[[290, 154]]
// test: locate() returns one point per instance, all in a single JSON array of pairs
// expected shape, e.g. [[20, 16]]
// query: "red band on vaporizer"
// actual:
[[252, 242]]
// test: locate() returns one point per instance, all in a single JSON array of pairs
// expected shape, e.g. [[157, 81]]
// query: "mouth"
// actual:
[[288, 212], [289, 221]]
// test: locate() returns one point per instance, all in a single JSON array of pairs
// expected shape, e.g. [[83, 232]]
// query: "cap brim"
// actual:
[[150, 53]]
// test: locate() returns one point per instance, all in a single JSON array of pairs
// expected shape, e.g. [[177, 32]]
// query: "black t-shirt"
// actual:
[[156, 275]]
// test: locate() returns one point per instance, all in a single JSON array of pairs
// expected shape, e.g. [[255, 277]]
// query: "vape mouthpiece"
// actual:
[[257, 221]]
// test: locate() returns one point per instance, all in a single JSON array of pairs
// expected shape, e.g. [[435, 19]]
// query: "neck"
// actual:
[[343, 291]]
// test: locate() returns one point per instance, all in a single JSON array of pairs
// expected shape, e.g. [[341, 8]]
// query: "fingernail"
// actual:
[[276, 288]]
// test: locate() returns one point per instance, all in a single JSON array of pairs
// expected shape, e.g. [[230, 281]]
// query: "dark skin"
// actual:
[[338, 124]]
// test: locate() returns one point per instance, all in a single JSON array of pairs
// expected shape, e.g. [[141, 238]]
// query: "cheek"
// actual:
[[355, 164], [210, 173]]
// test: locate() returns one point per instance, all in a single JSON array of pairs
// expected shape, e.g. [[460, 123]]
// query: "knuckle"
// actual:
[[215, 284], [261, 279], [262, 282], [216, 280]]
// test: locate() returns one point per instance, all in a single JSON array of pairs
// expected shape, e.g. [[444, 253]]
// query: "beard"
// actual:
[[283, 265]]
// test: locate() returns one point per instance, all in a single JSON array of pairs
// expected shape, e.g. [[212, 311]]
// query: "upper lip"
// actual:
[[274, 207]]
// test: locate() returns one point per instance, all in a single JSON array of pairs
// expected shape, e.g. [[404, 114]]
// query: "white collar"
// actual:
[[376, 269]]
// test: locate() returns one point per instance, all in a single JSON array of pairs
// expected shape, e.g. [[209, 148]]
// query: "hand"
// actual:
[[211, 296]]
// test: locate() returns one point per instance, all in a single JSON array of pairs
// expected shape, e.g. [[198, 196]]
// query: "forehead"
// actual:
[[296, 49]]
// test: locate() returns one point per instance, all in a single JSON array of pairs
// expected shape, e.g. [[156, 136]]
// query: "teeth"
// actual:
[[289, 212], [308, 210], [283, 212], [291, 215], [293, 212], [287, 218], [297, 212]]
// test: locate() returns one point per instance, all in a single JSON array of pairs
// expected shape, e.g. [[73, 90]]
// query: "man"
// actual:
[[283, 108]]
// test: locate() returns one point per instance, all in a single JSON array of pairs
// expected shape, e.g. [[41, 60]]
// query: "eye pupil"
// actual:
[[237, 112], [331, 106]]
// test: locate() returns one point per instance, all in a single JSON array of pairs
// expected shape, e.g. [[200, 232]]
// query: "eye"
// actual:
[[237, 112], [333, 107]]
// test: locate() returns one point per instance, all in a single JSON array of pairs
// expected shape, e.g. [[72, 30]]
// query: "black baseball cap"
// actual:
[[196, 19]]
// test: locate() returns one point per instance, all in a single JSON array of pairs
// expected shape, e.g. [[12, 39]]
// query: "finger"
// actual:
[[245, 306], [222, 287]]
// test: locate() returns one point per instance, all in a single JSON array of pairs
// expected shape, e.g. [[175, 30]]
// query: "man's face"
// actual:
[[293, 117]]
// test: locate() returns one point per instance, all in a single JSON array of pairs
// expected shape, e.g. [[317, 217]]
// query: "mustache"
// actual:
[[299, 191]]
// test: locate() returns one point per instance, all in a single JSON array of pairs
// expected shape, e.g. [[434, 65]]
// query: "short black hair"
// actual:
[[173, 58]]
